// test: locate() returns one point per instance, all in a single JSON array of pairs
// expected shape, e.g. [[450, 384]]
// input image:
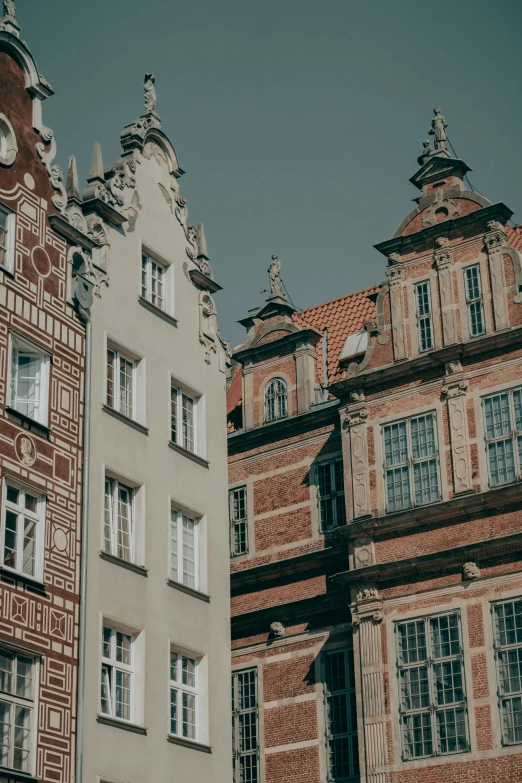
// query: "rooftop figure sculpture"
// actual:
[[10, 8], [274, 275], [150, 92], [438, 130]]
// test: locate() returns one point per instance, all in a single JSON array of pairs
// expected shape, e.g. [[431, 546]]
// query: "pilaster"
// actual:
[[443, 260], [494, 241], [395, 277], [248, 397], [354, 424], [454, 390], [305, 377]]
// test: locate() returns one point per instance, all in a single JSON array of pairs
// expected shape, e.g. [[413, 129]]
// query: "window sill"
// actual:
[[137, 569], [8, 574], [11, 274], [125, 419], [186, 743], [116, 723], [8, 775], [189, 454], [157, 311], [33, 426], [189, 590]]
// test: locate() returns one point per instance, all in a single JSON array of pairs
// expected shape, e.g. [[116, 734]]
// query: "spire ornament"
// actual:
[[150, 92], [10, 8], [274, 275], [438, 130]]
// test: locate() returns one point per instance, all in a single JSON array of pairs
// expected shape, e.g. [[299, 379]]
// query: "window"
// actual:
[[118, 528], [330, 494], [29, 380], [23, 524], [507, 632], [120, 383], [237, 507], [152, 275], [245, 726], [276, 402], [431, 686], [183, 549], [474, 300], [7, 236], [117, 673], [424, 315], [184, 698], [411, 462], [341, 716], [503, 421], [17, 686], [182, 419]]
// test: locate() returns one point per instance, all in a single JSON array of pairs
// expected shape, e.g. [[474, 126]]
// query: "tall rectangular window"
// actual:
[[7, 236], [184, 706], [237, 507], [17, 695], [433, 711], [330, 494], [118, 520], [503, 423], [29, 380], [182, 419], [424, 315], [474, 301], [121, 373], [411, 462], [245, 726], [507, 632], [183, 549], [152, 277], [117, 673], [340, 716], [23, 529]]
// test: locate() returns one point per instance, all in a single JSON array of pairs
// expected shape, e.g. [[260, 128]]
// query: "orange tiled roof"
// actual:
[[340, 317], [514, 236]]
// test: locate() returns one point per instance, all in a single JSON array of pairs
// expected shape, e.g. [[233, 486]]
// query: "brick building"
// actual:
[[42, 351], [375, 454]]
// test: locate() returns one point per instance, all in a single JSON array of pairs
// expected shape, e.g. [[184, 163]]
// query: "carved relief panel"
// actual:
[[443, 261], [454, 390], [355, 425], [494, 242], [395, 276]]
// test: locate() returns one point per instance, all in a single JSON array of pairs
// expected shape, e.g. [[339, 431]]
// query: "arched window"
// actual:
[[276, 403]]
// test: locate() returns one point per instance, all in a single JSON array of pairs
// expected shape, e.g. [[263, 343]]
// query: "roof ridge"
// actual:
[[338, 299]]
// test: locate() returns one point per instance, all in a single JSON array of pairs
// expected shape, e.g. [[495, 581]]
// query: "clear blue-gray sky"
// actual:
[[298, 122]]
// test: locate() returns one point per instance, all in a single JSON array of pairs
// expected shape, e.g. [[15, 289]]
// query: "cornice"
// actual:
[[288, 612], [280, 570], [67, 231], [257, 351], [204, 282]]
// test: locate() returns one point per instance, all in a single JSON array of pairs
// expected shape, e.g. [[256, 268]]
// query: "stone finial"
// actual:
[[10, 8], [277, 630], [438, 130], [150, 92], [471, 570], [96, 171], [202, 242], [274, 275], [72, 187]]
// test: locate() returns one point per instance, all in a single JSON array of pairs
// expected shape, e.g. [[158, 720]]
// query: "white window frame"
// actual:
[[22, 514], [333, 495], [110, 661], [17, 345], [238, 737], [181, 688], [10, 236], [236, 522], [424, 316], [280, 400], [514, 436], [177, 520], [111, 520], [472, 301], [116, 404], [410, 462], [148, 262], [29, 703], [178, 394], [508, 660]]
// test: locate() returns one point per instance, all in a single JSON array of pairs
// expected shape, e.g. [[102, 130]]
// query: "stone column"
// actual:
[[305, 358], [355, 424], [367, 616], [443, 261], [454, 390], [248, 397], [494, 241], [395, 276]]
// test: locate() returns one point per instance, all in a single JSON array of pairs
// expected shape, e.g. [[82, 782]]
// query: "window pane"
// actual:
[[10, 542], [415, 688], [144, 286], [122, 695], [187, 422], [123, 648], [124, 524], [126, 383], [22, 739], [173, 711], [28, 379], [189, 552], [501, 462], [395, 444], [107, 642], [188, 671], [245, 727], [498, 417], [6, 671], [417, 735], [28, 560], [174, 414], [13, 495], [451, 729], [449, 687], [5, 732], [445, 635], [174, 666], [423, 437], [24, 677], [426, 481], [189, 715], [511, 711], [412, 642], [111, 360], [398, 489], [108, 520], [174, 544]]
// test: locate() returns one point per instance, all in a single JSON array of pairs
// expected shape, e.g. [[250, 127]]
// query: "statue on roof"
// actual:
[[274, 275], [150, 92], [438, 130], [427, 150], [10, 8]]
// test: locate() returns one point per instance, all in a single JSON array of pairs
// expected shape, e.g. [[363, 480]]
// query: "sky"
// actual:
[[298, 122]]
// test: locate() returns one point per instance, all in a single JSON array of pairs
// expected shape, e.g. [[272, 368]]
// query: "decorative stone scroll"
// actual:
[[367, 616], [454, 390], [55, 173], [394, 274], [443, 260], [208, 331], [355, 423], [494, 241]]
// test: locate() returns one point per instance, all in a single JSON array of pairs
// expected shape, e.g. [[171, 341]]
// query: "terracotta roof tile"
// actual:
[[515, 237]]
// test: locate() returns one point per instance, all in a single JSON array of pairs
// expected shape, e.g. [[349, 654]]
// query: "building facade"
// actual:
[[414, 674], [158, 620]]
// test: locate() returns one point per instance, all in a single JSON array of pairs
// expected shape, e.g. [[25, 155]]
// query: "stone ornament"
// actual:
[[438, 130], [274, 276], [10, 8], [439, 211], [363, 551], [357, 396], [208, 332], [25, 449], [150, 92], [55, 173], [8, 145], [277, 630], [367, 593], [494, 242], [471, 570]]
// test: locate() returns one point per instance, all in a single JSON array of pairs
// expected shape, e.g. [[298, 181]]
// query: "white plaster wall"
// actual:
[[162, 613]]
